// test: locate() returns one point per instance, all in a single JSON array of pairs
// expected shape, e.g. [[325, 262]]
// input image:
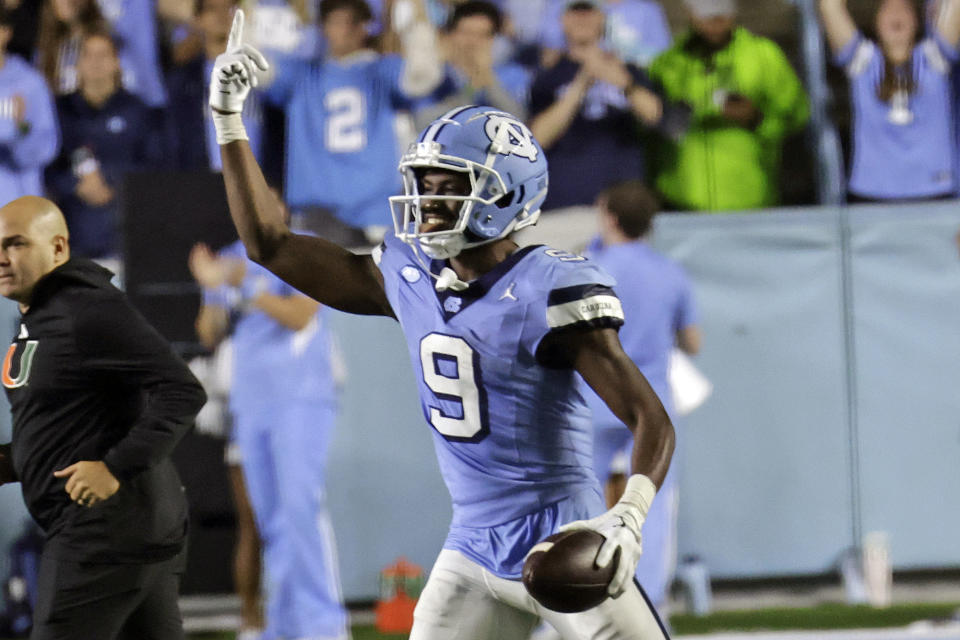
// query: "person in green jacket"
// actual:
[[745, 99]]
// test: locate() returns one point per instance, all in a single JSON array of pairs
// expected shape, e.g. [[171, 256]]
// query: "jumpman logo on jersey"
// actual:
[[508, 294]]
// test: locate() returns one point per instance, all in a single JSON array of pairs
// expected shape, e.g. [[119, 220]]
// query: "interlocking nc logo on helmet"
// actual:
[[509, 136]]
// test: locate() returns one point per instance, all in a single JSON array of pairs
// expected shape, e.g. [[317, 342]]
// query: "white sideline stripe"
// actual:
[[913, 632], [602, 306]]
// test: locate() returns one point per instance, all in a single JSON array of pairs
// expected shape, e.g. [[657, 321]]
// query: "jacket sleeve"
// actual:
[[117, 344], [679, 80], [7, 473], [784, 106]]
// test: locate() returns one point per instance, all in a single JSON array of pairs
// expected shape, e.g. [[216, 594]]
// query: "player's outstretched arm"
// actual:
[[324, 271], [599, 358]]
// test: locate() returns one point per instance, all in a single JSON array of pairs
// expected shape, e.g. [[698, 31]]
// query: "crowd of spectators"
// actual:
[[91, 90]]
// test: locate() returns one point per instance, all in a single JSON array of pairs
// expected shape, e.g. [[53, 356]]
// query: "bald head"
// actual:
[[36, 211], [33, 242]]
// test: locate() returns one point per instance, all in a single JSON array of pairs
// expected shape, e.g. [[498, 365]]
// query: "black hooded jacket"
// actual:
[[89, 379]]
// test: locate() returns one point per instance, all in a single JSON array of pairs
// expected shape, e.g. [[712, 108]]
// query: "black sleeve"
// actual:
[[6, 464], [116, 342]]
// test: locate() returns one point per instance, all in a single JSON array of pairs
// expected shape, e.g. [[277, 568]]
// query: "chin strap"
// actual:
[[448, 280]]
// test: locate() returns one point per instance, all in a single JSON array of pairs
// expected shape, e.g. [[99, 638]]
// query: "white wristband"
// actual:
[[639, 494], [229, 127]]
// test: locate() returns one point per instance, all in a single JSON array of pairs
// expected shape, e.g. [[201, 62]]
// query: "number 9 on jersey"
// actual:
[[451, 370]]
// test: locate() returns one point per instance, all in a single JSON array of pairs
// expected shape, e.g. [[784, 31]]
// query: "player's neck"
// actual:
[[473, 263], [612, 241]]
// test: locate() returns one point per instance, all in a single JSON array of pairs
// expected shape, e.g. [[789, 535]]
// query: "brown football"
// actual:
[[560, 572]]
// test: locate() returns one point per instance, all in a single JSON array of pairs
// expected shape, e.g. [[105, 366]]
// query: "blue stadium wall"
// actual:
[[832, 338]]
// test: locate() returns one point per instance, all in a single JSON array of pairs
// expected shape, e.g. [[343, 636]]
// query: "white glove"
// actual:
[[235, 71], [621, 528]]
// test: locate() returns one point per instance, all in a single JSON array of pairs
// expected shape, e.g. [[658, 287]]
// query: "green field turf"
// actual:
[[827, 616], [359, 633]]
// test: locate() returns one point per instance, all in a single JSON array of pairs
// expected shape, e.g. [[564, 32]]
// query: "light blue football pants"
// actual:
[[283, 450]]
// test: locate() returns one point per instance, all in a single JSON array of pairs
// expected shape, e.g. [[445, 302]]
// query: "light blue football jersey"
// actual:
[[272, 363], [512, 433], [894, 159], [342, 145]]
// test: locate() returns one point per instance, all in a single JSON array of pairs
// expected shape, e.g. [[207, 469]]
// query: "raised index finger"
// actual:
[[236, 31]]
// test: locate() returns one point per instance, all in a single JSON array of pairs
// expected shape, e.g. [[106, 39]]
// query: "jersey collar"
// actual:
[[478, 288]]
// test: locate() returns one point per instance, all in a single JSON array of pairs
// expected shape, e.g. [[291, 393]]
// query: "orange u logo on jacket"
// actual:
[[23, 370]]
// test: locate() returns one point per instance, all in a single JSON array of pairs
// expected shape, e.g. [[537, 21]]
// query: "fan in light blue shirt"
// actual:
[[29, 137], [903, 137], [283, 405], [472, 76], [342, 111]]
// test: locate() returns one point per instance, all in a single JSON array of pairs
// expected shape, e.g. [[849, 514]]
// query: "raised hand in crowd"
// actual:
[[602, 65], [478, 67], [472, 75], [211, 271], [93, 189]]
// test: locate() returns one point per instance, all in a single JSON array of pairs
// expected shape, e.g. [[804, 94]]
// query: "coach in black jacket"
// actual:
[[99, 401]]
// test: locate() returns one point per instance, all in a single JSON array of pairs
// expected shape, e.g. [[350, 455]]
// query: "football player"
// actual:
[[656, 295], [496, 334]]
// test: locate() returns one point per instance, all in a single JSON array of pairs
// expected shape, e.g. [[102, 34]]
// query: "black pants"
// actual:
[[92, 601]]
